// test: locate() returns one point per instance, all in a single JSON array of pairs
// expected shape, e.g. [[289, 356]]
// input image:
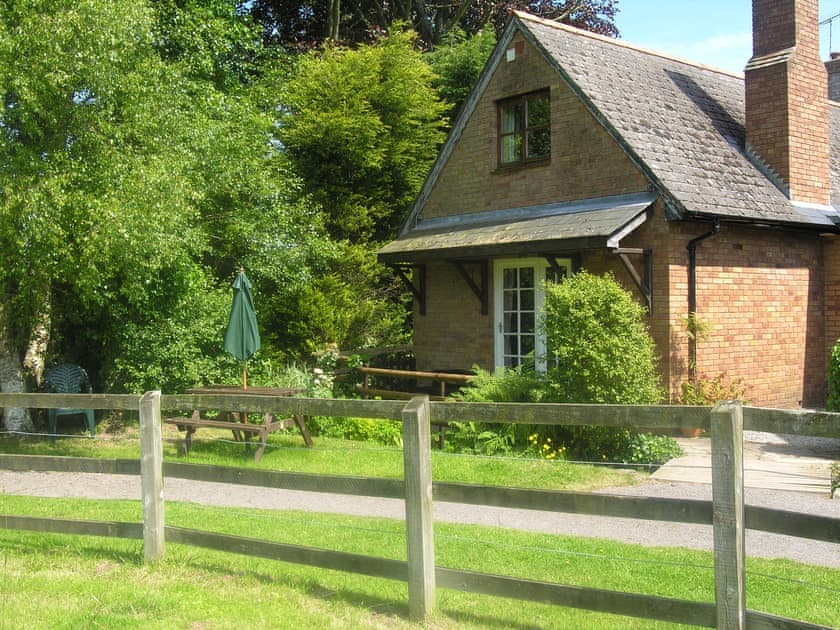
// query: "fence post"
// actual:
[[151, 476], [417, 458], [728, 513]]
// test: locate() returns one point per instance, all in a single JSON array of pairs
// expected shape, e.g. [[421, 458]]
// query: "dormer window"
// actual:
[[525, 129]]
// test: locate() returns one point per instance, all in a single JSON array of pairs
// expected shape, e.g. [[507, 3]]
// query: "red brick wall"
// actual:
[[831, 259], [771, 322], [761, 293]]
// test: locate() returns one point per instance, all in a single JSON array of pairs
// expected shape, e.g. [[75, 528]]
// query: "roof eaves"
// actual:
[[492, 217]]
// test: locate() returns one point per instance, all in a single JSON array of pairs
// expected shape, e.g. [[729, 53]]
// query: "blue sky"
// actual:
[[713, 32]]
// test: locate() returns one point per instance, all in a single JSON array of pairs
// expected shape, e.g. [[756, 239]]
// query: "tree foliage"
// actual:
[[362, 128], [136, 174], [458, 62], [307, 24]]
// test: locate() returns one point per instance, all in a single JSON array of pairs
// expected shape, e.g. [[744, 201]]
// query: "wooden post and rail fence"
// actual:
[[726, 512]]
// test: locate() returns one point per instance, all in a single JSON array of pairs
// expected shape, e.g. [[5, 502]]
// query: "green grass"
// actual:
[[58, 581], [331, 456]]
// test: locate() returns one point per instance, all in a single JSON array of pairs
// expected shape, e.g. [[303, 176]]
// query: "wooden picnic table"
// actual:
[[238, 422]]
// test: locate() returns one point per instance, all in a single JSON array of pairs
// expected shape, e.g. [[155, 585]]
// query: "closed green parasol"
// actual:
[[242, 338]]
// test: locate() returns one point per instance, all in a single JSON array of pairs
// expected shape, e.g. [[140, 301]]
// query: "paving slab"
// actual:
[[771, 461]]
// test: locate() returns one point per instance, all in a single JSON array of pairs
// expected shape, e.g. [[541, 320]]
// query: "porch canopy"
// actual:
[[536, 230]]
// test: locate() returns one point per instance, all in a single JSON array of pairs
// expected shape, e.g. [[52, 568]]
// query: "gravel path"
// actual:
[[648, 533]]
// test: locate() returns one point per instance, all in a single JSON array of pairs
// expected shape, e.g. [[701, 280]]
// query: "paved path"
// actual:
[[648, 533], [772, 462]]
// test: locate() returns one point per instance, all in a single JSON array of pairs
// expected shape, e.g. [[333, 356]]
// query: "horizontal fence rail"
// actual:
[[125, 402], [420, 413], [694, 511]]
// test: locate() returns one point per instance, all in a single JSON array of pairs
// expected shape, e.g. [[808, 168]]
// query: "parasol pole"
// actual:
[[245, 386]]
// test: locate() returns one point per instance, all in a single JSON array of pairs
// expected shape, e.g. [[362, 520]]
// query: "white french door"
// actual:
[[518, 301]]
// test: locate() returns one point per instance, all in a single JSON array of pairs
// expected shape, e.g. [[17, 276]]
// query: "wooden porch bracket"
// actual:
[[482, 290], [643, 281], [555, 267], [419, 290]]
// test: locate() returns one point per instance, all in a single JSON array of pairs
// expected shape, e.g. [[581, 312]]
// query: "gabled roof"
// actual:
[[681, 123]]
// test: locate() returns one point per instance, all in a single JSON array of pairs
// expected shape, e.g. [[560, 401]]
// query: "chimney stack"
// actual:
[[786, 91]]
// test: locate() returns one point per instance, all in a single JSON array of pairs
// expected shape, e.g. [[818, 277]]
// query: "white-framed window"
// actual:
[[518, 298]]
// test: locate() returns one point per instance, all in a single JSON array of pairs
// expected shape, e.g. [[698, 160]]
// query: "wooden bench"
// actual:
[[239, 425]]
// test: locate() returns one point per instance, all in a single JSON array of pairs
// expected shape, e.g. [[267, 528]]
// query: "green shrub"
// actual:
[[600, 350], [710, 390], [172, 353], [833, 402], [388, 432], [520, 384]]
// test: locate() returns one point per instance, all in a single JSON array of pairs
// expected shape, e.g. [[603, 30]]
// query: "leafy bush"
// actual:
[[388, 432], [520, 384], [314, 382], [601, 353], [179, 350], [706, 390], [833, 402], [600, 350]]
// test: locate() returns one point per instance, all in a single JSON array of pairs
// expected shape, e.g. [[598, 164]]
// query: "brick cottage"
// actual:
[[702, 191]]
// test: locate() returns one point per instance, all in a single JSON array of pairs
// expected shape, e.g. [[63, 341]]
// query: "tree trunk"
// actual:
[[33, 361], [333, 19], [11, 381]]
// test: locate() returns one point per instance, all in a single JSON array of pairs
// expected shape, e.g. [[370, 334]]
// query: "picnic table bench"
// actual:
[[237, 422]]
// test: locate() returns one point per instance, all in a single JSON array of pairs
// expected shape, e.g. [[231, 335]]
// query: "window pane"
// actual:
[[511, 118], [511, 322], [539, 112], [527, 342], [526, 300], [511, 148], [526, 277], [511, 344], [511, 301], [539, 143], [510, 114], [527, 322], [510, 279]]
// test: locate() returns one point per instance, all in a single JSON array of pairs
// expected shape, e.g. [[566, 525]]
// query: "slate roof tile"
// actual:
[[684, 121]]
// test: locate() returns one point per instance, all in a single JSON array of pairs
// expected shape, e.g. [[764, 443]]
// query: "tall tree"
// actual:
[[309, 23], [135, 170], [362, 127], [458, 62]]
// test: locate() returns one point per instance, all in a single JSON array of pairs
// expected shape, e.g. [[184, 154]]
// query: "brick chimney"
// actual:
[[786, 99]]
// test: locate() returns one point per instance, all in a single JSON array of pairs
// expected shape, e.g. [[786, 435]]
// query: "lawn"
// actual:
[[61, 581], [330, 456], [58, 581]]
